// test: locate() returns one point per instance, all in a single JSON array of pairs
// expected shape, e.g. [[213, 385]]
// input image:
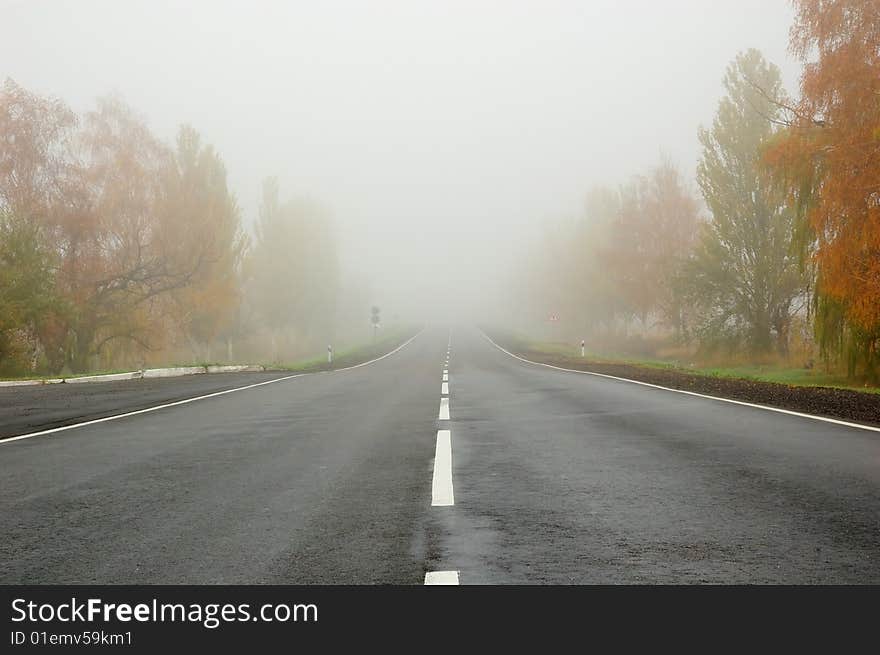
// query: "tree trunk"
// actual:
[[781, 327], [78, 355]]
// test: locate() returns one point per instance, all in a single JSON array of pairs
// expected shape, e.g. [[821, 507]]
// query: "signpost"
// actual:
[[374, 319]]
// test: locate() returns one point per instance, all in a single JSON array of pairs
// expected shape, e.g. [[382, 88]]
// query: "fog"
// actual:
[[441, 136]]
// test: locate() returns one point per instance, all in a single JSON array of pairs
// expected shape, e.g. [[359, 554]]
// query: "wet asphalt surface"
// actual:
[[850, 405], [559, 478], [32, 408]]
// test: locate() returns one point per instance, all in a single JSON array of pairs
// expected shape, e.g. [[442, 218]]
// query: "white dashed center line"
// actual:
[[441, 486], [441, 489], [441, 577], [444, 409]]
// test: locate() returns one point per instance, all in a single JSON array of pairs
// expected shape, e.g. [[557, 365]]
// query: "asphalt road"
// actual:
[[32, 408], [330, 478]]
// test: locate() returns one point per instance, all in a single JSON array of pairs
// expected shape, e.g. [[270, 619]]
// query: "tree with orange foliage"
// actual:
[[830, 159], [116, 254], [37, 138], [670, 215], [203, 214], [101, 220]]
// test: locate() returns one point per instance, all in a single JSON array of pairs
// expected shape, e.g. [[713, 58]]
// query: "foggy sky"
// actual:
[[439, 134]]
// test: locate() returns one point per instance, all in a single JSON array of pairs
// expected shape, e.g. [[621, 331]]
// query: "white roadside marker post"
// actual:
[[582, 347], [329, 354]]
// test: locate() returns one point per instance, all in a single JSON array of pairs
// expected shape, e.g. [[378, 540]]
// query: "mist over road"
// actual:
[[557, 477]]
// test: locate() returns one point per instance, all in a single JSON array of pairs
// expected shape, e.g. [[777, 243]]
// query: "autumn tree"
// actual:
[[293, 272], [548, 280], [673, 217], [650, 237], [830, 159], [596, 290], [36, 167], [744, 275], [28, 303], [36, 141], [618, 263], [132, 240], [115, 256], [627, 255], [201, 212], [114, 245], [563, 273]]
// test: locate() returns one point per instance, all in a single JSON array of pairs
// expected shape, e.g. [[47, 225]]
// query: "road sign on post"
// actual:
[[374, 319]]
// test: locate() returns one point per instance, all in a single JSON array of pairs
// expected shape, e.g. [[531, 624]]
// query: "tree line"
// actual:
[[783, 244], [117, 249]]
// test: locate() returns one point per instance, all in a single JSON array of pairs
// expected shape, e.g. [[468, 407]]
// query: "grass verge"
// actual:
[[348, 357], [352, 356]]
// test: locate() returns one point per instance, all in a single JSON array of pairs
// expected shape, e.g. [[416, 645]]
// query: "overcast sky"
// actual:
[[437, 133]]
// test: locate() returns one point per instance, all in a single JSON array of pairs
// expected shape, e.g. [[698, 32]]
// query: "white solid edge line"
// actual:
[[692, 393], [185, 401], [441, 578], [444, 409], [373, 361], [144, 411], [441, 484]]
